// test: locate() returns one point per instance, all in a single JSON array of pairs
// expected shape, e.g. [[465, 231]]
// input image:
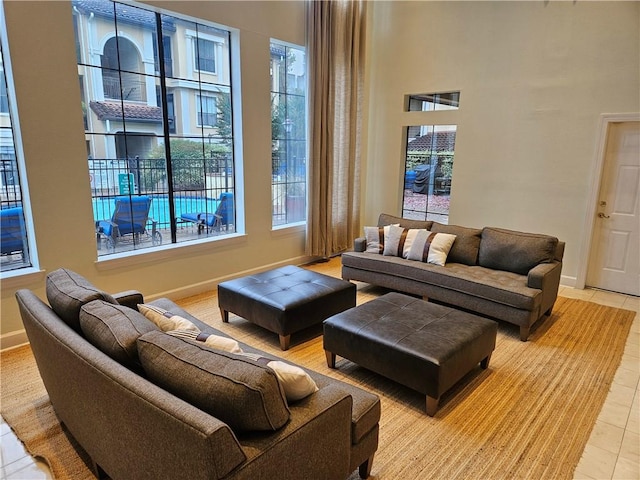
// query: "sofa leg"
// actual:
[[524, 333], [225, 315], [548, 312], [365, 468], [285, 341], [485, 362], [331, 359], [98, 471], [432, 405]]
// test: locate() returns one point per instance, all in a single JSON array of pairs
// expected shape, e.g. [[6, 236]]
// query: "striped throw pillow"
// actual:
[[418, 244], [214, 341]]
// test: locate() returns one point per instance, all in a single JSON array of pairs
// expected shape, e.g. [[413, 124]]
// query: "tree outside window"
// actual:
[[288, 133]]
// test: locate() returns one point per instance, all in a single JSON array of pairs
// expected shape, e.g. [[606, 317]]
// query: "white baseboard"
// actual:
[[13, 339], [209, 285], [566, 281]]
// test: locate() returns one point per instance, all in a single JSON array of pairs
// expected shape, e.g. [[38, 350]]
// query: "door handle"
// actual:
[[602, 215]]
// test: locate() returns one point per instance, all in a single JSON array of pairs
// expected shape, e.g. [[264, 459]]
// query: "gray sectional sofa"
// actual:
[[504, 274], [140, 401]]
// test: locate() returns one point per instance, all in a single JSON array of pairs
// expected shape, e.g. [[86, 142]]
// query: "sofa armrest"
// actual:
[[129, 298], [360, 244], [546, 277], [315, 442]]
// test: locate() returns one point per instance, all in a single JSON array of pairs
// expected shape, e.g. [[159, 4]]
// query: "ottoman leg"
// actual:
[[485, 362], [432, 405], [331, 359], [285, 341], [225, 315]]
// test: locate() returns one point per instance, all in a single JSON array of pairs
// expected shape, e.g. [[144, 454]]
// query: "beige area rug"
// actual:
[[528, 416]]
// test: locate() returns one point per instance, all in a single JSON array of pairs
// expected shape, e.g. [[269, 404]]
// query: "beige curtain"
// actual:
[[335, 40]]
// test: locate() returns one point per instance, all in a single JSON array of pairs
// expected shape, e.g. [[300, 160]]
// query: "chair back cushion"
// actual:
[[244, 395], [67, 292], [131, 214]]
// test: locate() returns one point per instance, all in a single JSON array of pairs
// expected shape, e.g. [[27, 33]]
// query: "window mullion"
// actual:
[[166, 133]]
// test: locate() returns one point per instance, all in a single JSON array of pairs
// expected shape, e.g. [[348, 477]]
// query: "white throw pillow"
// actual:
[[296, 383], [214, 341], [430, 247], [166, 320], [375, 237], [398, 240]]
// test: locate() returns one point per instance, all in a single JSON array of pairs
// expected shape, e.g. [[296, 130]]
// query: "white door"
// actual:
[[615, 257]]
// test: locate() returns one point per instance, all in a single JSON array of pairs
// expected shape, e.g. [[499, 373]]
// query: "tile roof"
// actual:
[[126, 13], [132, 111], [433, 141]]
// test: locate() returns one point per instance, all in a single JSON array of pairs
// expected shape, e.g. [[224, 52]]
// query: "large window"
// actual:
[[428, 172], [159, 131], [289, 134], [14, 244], [429, 159]]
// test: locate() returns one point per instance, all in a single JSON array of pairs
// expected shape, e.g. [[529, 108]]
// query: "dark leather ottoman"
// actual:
[[425, 346], [285, 300]]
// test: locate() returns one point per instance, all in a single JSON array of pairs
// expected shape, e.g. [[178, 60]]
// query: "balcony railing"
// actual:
[[132, 89]]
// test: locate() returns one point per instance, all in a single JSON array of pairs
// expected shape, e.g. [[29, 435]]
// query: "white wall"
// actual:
[[534, 79], [42, 49]]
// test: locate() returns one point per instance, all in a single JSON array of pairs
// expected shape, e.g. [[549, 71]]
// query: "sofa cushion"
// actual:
[[165, 319], [386, 219], [513, 251], [114, 329], [241, 393], [465, 248], [498, 286], [67, 292]]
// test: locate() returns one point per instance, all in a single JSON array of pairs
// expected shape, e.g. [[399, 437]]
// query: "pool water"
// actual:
[[159, 211]]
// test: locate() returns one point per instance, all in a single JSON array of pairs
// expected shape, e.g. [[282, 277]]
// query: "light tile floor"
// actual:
[[612, 453]]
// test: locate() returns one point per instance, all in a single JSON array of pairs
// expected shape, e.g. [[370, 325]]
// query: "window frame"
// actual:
[[294, 187], [190, 130], [30, 264]]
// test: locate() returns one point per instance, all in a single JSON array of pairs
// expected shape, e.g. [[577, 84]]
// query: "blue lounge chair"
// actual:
[[130, 217], [222, 217], [13, 234]]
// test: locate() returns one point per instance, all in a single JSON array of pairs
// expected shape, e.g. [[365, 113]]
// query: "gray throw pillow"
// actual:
[[244, 395], [114, 329], [465, 248], [67, 292], [513, 251]]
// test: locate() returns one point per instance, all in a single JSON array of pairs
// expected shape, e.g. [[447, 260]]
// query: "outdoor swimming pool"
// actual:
[[159, 211]]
